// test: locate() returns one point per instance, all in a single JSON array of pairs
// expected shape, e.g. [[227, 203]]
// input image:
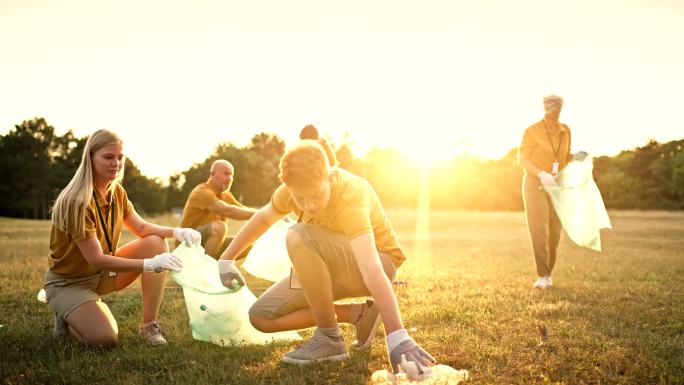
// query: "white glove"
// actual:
[[229, 273], [161, 262], [405, 352], [546, 179], [190, 236]]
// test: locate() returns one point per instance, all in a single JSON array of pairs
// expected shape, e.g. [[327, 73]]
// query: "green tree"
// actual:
[[35, 164]]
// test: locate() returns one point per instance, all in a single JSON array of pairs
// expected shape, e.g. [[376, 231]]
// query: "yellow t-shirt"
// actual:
[[354, 209], [65, 257], [536, 147], [195, 212]]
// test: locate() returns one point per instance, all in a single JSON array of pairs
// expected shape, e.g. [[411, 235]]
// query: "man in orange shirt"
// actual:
[[343, 246], [210, 204], [543, 153]]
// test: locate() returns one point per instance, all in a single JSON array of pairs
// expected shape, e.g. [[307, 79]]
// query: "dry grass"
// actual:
[[613, 317]]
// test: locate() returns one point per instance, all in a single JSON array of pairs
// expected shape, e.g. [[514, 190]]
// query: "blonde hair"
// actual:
[[68, 212], [304, 164]]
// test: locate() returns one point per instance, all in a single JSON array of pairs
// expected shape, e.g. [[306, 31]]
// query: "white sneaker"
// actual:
[[549, 281], [151, 333], [541, 283]]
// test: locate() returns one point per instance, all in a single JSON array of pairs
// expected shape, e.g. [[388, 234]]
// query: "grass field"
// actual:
[[615, 317]]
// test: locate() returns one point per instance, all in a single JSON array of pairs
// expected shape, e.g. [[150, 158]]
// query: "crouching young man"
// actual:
[[342, 246]]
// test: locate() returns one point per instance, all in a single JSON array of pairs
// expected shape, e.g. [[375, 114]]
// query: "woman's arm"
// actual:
[[141, 228], [92, 252]]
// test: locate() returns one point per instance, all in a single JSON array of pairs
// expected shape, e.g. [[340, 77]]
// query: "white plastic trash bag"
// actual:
[[579, 205], [217, 314], [268, 258]]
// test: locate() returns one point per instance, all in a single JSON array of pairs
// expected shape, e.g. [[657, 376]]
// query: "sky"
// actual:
[[433, 78]]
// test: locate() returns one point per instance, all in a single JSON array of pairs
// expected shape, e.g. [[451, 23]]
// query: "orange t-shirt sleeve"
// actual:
[[202, 199], [128, 208], [355, 218], [569, 143], [526, 146], [229, 198], [281, 200], [88, 225], [356, 221]]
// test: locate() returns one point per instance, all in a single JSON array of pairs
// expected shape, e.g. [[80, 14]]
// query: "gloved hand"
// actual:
[[190, 236], [403, 350], [161, 262], [228, 272], [580, 156], [546, 179]]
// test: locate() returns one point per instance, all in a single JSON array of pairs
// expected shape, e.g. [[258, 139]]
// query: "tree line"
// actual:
[[36, 163]]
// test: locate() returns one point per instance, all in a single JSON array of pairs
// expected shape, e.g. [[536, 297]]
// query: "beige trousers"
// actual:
[[543, 224]]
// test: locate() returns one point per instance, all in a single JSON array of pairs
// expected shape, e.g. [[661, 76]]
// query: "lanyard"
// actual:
[[104, 225], [555, 150]]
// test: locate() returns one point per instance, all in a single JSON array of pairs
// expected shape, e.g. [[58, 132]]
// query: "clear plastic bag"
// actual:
[[268, 258], [217, 314], [579, 205]]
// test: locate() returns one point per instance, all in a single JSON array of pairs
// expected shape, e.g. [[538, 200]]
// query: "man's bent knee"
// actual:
[[293, 241], [218, 229]]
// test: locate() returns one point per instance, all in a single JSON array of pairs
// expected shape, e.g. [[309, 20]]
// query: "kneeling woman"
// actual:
[[85, 262]]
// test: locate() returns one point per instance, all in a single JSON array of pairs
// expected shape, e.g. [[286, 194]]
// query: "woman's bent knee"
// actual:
[[156, 244], [104, 341]]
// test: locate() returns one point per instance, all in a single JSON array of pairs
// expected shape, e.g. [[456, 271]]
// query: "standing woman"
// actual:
[[544, 151], [85, 261]]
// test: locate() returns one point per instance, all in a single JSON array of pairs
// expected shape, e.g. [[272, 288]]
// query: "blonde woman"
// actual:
[[85, 262]]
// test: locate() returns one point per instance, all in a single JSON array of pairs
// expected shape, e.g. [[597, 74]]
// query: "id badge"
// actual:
[[554, 171], [294, 282]]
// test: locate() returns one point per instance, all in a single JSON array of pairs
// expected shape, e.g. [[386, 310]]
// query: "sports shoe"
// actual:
[[61, 327], [366, 325], [151, 332], [541, 283], [318, 348], [549, 281]]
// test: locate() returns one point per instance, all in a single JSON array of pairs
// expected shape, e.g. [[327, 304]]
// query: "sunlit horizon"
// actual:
[[435, 79]]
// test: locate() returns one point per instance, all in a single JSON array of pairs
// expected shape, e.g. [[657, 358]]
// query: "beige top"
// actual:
[[65, 257], [354, 209]]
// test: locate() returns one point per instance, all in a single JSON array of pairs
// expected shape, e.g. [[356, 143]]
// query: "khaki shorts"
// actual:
[[64, 294], [283, 298], [205, 231]]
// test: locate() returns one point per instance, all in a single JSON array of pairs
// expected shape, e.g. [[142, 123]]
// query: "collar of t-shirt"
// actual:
[[214, 187]]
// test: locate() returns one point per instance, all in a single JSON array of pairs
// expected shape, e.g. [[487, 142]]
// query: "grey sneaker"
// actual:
[[318, 348], [151, 332], [61, 327], [366, 325]]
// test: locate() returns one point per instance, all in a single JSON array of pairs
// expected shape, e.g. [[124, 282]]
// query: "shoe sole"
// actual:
[[371, 335], [295, 361]]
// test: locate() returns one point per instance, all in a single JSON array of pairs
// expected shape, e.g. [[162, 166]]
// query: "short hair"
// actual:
[[304, 164]]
